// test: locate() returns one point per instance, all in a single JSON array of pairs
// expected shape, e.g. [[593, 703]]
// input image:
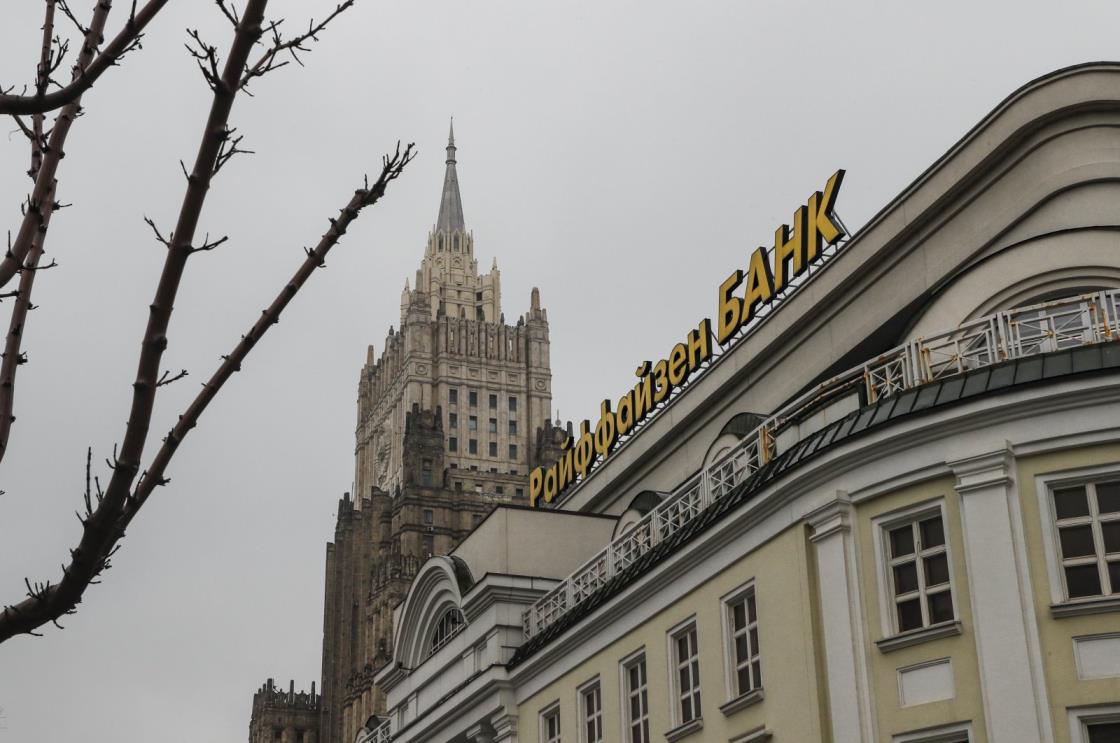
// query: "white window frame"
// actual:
[[1080, 718], [950, 733], [1045, 485], [730, 662], [882, 525], [638, 656], [550, 712], [588, 687], [675, 663]]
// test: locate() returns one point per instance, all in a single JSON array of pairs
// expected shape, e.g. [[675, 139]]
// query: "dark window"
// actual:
[[458, 484], [476, 519], [919, 569], [426, 472], [493, 448], [513, 404], [428, 545], [452, 420], [453, 445], [513, 428], [429, 517], [472, 423], [1105, 732], [453, 396], [472, 447], [744, 644], [472, 398], [499, 490], [1088, 521], [493, 402], [513, 451], [519, 492], [493, 425]]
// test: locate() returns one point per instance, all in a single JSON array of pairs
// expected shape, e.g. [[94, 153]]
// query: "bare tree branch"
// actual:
[[269, 62], [91, 69]]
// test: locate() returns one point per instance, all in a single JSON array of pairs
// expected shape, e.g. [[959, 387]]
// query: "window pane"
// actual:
[[933, 533], [937, 570], [1108, 497], [686, 709], [742, 676], [740, 648], [1105, 732], [682, 647], [1110, 530], [633, 677], [684, 680], [750, 607], [905, 578], [1071, 502], [941, 607], [1083, 580], [754, 639], [739, 616], [902, 541], [1114, 576], [909, 615], [1077, 541], [756, 669]]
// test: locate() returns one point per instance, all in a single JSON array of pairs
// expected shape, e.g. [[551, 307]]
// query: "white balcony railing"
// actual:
[[1027, 331]]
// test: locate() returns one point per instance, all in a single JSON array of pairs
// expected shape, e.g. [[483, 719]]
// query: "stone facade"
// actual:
[[451, 419], [284, 716]]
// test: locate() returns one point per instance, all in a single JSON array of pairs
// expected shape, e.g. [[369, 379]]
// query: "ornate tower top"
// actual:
[[451, 204]]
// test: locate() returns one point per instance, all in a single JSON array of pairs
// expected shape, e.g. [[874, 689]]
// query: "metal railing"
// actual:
[[1027, 331], [383, 733]]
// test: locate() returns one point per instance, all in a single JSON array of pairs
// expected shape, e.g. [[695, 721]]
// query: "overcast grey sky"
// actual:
[[622, 156]]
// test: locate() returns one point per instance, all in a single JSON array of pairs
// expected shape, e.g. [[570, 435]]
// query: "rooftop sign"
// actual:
[[769, 273]]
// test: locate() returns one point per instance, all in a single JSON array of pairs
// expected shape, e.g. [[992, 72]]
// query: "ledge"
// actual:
[[754, 696], [681, 731], [918, 636], [1080, 607], [758, 735]]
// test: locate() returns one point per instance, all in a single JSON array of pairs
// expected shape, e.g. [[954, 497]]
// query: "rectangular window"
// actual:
[[519, 492], [458, 484], [742, 623], [513, 451], [636, 699], [1087, 519], [493, 402], [493, 448], [513, 428], [453, 445], [686, 674], [472, 446], [499, 489], [591, 713], [493, 425], [426, 472], [918, 568], [429, 516], [453, 397], [428, 545], [472, 423], [513, 405], [550, 726], [472, 398], [452, 420]]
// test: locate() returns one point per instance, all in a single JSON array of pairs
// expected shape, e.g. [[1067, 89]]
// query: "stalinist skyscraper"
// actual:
[[452, 416]]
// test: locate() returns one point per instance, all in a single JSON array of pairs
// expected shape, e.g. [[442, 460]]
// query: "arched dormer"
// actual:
[[432, 611]]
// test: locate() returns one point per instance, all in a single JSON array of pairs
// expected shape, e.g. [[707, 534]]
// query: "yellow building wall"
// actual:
[[1065, 689], [966, 705], [790, 707]]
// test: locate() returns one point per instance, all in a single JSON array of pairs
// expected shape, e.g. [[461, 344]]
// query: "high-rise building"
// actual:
[[451, 417]]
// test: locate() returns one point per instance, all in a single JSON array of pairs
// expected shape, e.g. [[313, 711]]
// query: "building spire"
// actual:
[[450, 204]]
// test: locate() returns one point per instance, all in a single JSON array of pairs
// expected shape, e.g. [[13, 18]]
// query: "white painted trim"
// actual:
[[624, 665], [1045, 484], [553, 708], [900, 673], [939, 734], [672, 661], [725, 602], [1080, 718], [1078, 655], [595, 682]]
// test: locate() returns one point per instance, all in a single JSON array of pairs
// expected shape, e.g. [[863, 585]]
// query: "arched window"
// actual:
[[448, 626]]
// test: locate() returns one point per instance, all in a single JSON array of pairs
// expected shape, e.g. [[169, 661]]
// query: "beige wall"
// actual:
[[789, 660]]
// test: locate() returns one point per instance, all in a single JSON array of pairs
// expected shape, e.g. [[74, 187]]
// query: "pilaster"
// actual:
[[849, 693], [1011, 683]]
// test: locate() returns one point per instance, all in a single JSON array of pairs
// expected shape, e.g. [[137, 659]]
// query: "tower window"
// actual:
[[513, 404], [472, 423], [513, 451], [428, 545], [493, 402], [493, 425], [500, 490], [426, 472], [429, 517], [472, 446], [453, 397], [472, 398], [513, 428], [493, 448], [452, 420], [453, 445], [458, 484]]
